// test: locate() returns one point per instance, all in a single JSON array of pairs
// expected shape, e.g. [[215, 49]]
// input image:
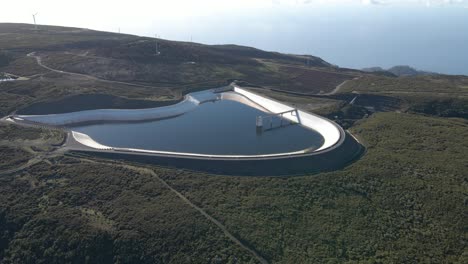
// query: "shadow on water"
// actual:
[[84, 102]]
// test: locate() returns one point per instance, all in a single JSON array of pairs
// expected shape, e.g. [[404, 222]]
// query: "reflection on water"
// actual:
[[220, 128]]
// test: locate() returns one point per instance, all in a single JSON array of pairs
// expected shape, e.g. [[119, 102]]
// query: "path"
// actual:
[[211, 219], [338, 88], [44, 156], [38, 157], [223, 228], [39, 62]]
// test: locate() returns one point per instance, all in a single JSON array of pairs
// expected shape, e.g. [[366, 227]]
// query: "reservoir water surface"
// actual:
[[222, 127]]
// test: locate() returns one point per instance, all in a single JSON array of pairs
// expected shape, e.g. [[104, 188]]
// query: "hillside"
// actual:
[[399, 70], [69, 61], [404, 201]]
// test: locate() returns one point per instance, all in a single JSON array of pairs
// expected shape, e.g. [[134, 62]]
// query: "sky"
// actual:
[[427, 34]]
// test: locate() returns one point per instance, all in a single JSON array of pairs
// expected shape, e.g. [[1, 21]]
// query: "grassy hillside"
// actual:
[[439, 95], [402, 203], [435, 84], [104, 58]]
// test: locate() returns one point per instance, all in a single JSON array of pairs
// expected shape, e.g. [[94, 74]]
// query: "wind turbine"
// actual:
[[157, 45], [34, 18]]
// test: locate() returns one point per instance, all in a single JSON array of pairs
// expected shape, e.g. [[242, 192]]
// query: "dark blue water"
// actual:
[[221, 128]]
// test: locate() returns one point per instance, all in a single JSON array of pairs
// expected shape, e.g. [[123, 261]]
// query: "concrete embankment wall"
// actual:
[[345, 153], [331, 133], [190, 102]]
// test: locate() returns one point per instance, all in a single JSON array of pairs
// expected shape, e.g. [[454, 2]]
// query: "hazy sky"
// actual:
[[428, 34]]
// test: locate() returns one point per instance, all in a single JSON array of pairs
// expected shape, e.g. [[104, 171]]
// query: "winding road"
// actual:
[[91, 77], [338, 88], [39, 62]]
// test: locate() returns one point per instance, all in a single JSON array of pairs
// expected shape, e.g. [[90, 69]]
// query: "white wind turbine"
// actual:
[[34, 18], [157, 45]]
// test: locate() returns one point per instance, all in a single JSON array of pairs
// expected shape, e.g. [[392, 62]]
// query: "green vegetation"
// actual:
[[64, 213], [11, 133], [443, 106], [437, 95], [404, 201], [20, 145], [58, 211], [23, 36], [433, 84], [12, 157], [24, 66]]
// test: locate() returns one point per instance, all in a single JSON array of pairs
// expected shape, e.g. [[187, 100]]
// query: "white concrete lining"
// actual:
[[189, 103], [241, 99], [88, 141], [188, 154], [326, 128], [329, 131], [8, 119]]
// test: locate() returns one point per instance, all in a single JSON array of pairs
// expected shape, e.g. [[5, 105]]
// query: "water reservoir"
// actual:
[[222, 127], [228, 131]]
